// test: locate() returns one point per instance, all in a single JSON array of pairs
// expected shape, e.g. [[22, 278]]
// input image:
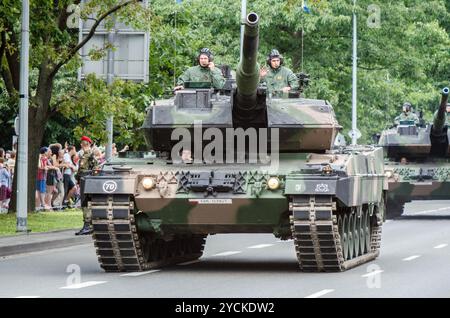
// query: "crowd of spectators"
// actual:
[[7, 164], [56, 185]]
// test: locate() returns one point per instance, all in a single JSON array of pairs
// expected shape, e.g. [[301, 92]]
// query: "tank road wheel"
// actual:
[[351, 239], [356, 224], [366, 227], [362, 233], [345, 243], [343, 234]]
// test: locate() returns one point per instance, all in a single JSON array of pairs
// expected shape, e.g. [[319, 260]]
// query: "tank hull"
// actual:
[[416, 181], [188, 202]]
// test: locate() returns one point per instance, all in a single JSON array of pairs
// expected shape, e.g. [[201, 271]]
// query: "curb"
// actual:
[[35, 242]]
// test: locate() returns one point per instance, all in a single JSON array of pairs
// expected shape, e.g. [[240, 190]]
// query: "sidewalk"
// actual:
[[33, 242]]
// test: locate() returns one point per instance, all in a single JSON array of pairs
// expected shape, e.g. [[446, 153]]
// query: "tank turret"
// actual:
[[414, 142], [303, 124]]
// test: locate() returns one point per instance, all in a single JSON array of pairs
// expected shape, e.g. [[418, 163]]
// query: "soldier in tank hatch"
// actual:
[[205, 71], [278, 77], [407, 114]]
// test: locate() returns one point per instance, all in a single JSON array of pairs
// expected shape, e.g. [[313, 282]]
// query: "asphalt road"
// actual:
[[414, 262]]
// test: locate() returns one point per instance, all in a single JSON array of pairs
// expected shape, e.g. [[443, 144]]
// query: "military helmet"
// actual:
[[274, 53], [207, 52], [407, 106]]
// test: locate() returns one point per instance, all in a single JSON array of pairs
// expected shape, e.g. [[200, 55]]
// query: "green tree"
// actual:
[[96, 101], [54, 48]]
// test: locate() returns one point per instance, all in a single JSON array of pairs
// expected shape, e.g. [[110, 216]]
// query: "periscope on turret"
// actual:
[[238, 160]]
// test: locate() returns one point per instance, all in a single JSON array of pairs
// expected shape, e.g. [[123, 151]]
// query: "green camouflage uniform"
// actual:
[[202, 74], [86, 165], [281, 77], [409, 116]]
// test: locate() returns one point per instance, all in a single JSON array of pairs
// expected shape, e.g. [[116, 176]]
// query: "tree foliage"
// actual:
[[403, 55], [54, 49], [96, 101]]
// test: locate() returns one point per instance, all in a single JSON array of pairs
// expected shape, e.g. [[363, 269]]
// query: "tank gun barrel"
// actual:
[[247, 73], [439, 117]]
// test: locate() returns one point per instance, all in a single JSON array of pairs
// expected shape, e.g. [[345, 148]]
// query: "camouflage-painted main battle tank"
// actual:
[[417, 166], [154, 209]]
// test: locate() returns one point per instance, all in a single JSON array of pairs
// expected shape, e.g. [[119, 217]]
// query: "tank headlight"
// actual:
[[148, 183], [273, 183]]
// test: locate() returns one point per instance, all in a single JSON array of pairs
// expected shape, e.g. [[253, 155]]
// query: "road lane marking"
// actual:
[[373, 273], [134, 274], [260, 246], [440, 246], [321, 293], [407, 259], [28, 296], [227, 253], [429, 211], [189, 263], [83, 285]]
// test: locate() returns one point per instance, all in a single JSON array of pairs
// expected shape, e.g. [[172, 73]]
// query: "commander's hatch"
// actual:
[[194, 99]]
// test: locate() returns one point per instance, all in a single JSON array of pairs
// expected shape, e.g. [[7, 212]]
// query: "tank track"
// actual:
[[323, 241], [121, 247]]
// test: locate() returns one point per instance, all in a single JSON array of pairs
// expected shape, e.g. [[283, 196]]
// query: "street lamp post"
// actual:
[[354, 133], [22, 158], [243, 16], [109, 81]]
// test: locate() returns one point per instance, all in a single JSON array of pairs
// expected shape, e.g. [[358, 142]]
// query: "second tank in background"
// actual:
[[418, 160]]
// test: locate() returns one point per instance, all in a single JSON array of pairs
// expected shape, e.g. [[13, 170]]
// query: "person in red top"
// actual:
[[41, 188]]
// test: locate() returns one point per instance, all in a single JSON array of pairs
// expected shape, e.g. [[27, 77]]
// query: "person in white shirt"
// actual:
[[69, 170]]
